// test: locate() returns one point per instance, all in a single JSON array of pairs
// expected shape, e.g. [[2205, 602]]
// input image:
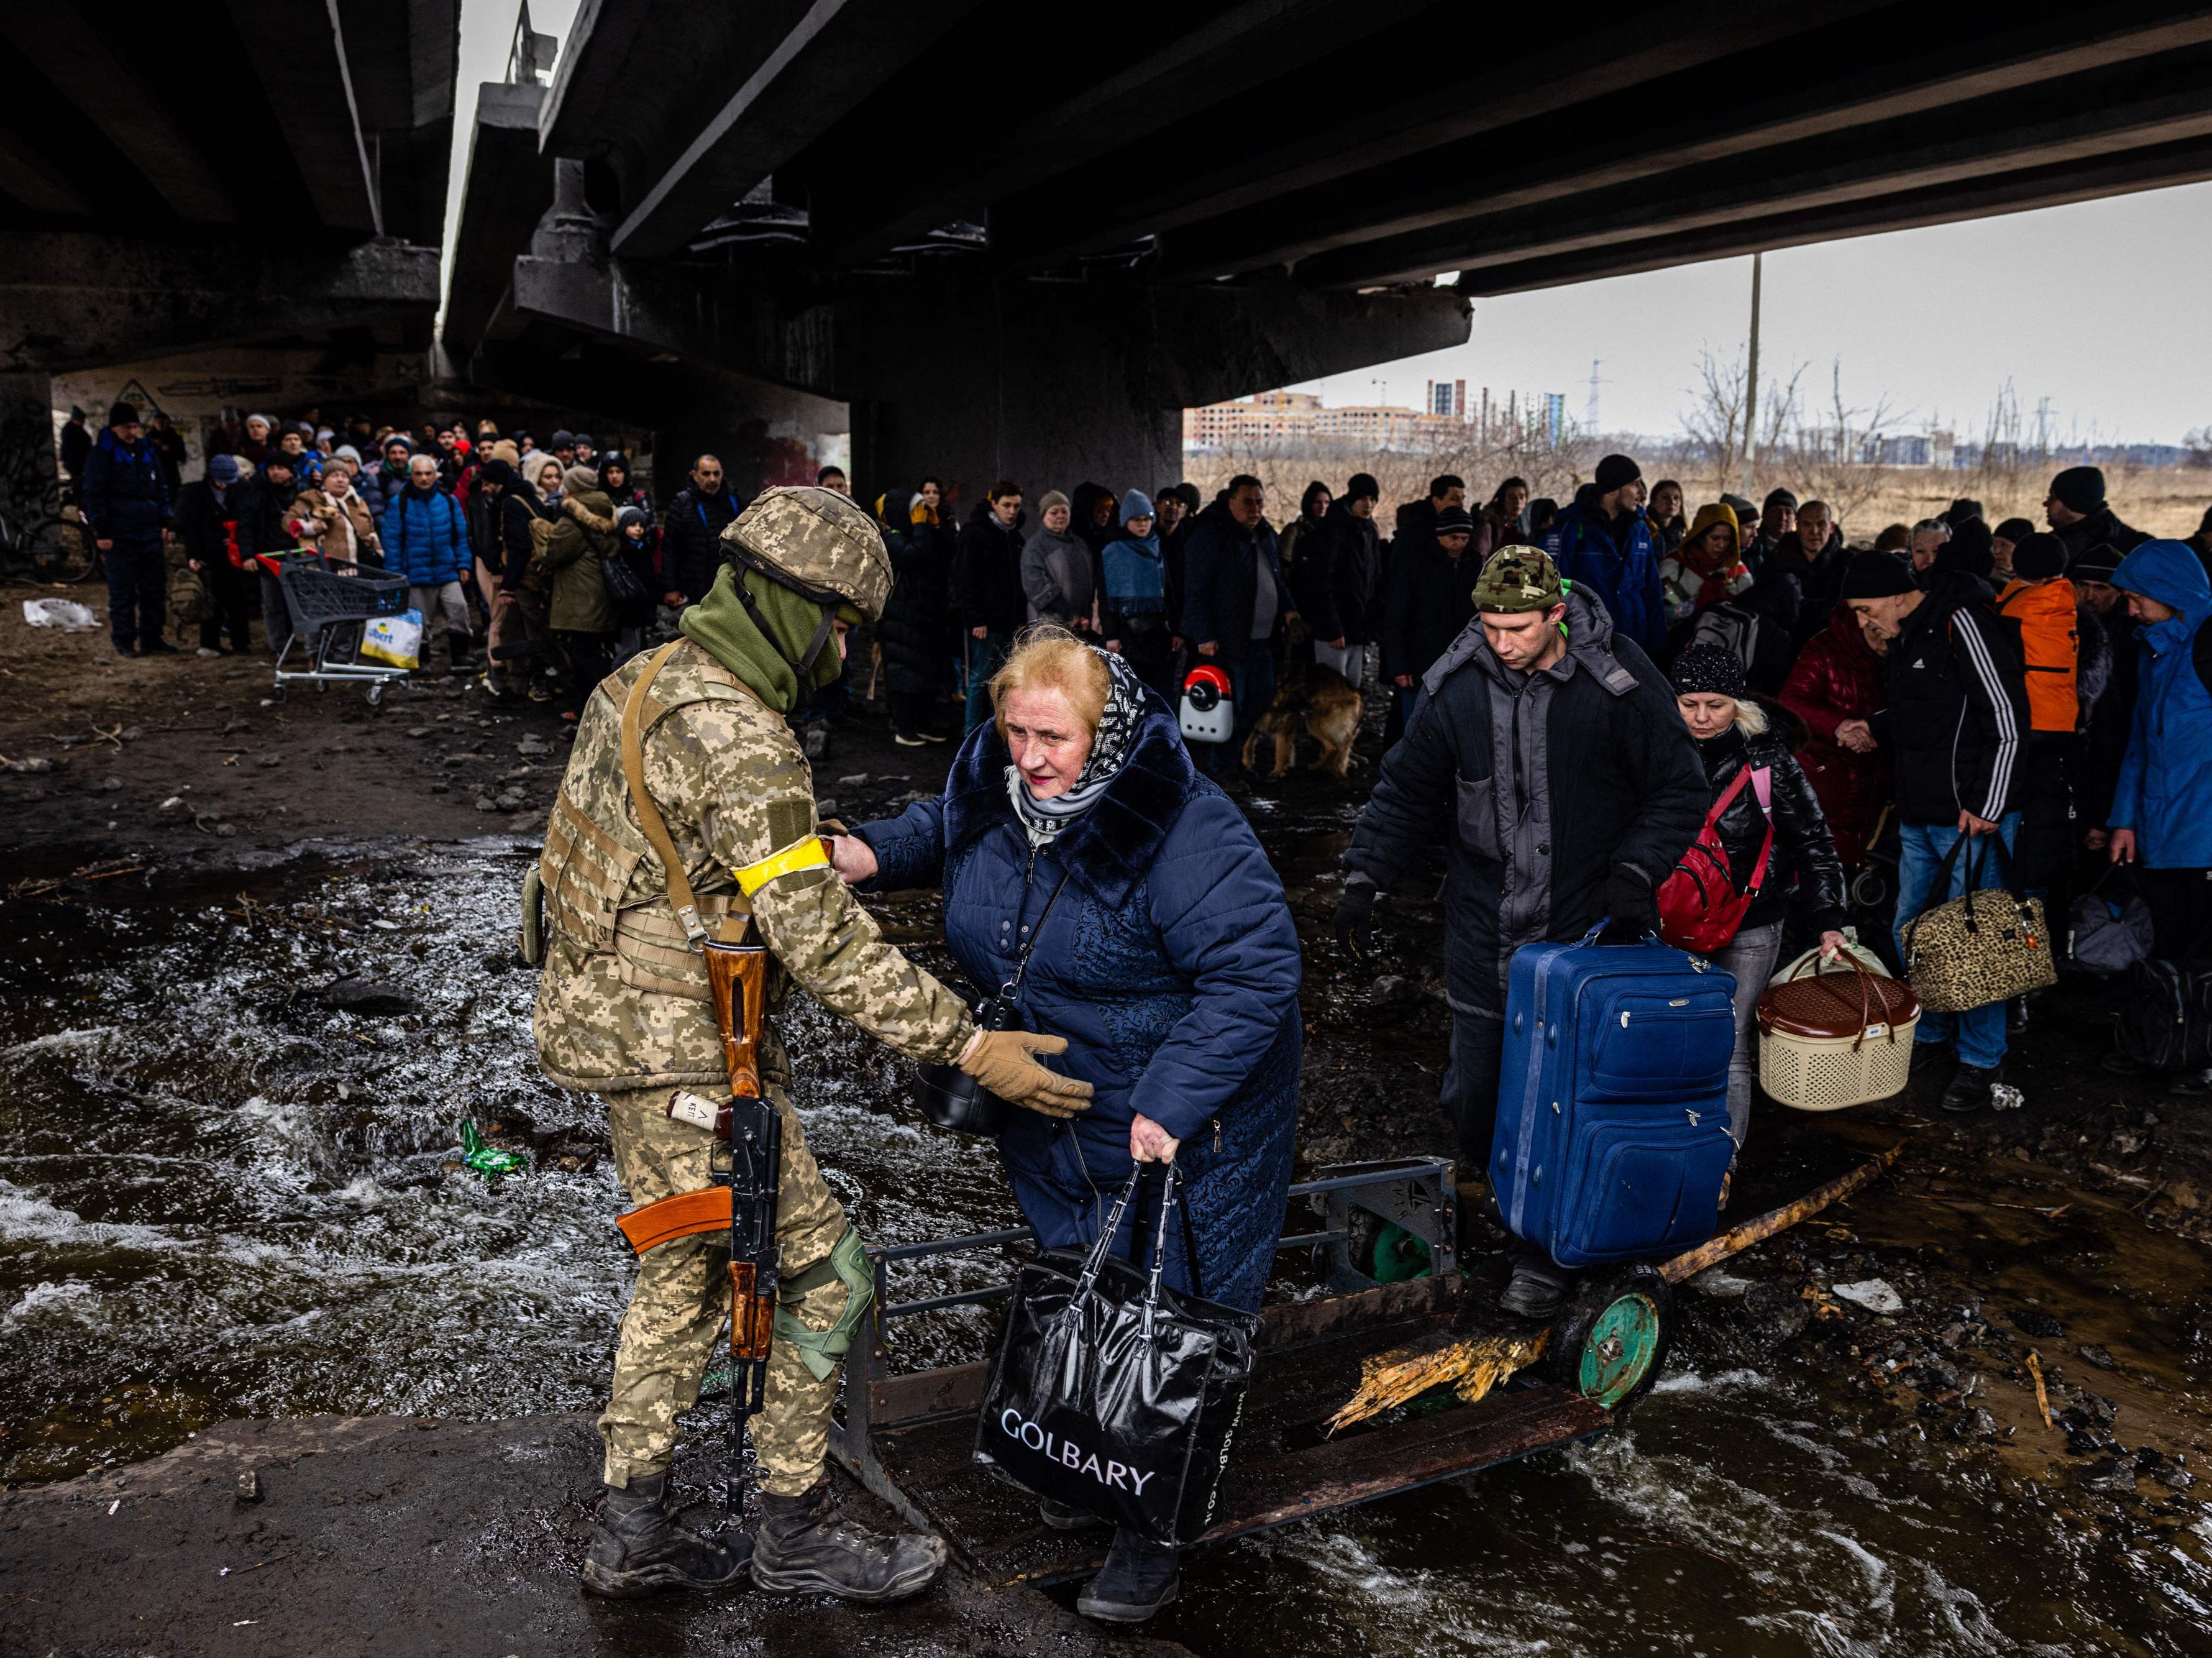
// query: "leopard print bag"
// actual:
[[1988, 945]]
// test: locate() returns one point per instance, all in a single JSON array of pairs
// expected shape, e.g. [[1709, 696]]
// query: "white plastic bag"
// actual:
[[59, 613], [395, 641]]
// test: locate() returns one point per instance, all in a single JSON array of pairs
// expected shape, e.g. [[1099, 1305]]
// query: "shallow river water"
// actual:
[[220, 1197]]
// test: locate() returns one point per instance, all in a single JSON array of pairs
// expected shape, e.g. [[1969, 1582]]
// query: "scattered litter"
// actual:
[[2042, 1393], [31, 763], [109, 784], [2003, 1096], [1874, 1294], [249, 1486], [859, 780], [63, 613], [116, 1504], [488, 1160]]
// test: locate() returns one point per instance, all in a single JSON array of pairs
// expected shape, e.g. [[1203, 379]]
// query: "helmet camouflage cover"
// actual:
[[817, 542]]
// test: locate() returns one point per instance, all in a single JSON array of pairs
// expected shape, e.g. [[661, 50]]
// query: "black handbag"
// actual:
[[2164, 1018], [626, 589], [1113, 1394], [948, 1096]]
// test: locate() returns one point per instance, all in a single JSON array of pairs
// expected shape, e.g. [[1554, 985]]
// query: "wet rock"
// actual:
[[1392, 992], [110, 785], [2175, 1478], [1874, 1294], [269, 762], [815, 741], [354, 995], [2098, 1356], [418, 731], [2111, 1475], [2034, 1322], [441, 788], [239, 723], [859, 780], [825, 810], [533, 745], [485, 802]]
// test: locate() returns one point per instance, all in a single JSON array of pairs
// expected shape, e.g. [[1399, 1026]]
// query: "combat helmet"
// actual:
[[815, 542]]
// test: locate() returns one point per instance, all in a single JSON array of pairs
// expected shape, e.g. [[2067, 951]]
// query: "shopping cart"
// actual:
[[330, 600]]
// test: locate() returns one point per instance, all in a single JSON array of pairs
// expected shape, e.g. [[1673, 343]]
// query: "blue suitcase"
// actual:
[[1612, 1133]]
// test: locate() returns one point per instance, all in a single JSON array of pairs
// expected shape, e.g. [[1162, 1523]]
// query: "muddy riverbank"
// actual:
[[229, 1190]]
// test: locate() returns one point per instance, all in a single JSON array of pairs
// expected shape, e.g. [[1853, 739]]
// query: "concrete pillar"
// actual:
[[30, 487]]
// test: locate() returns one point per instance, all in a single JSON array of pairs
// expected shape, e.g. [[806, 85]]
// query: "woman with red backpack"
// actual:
[[1730, 895]]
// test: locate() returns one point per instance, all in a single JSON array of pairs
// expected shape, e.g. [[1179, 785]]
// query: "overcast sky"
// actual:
[[2103, 307]]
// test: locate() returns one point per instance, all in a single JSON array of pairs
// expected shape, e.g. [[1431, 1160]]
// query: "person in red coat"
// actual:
[[1836, 687]]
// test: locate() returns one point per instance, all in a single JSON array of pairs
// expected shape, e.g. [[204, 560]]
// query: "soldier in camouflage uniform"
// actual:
[[624, 1013]]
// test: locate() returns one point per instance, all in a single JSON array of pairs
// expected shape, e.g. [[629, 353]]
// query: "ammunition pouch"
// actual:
[[822, 1350], [531, 941]]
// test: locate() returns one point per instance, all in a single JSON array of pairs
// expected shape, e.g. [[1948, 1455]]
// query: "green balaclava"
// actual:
[[718, 625]]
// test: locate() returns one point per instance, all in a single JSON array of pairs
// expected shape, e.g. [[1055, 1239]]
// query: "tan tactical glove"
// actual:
[[1004, 1061]]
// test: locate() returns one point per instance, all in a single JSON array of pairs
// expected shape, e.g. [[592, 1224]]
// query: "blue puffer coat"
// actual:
[[2165, 789], [1624, 576], [127, 495], [426, 537], [1170, 963]]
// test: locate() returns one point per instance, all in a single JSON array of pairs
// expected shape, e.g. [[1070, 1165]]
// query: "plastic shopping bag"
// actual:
[[65, 613], [395, 641]]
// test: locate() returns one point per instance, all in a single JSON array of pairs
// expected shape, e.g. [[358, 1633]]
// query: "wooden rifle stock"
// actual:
[[736, 978]]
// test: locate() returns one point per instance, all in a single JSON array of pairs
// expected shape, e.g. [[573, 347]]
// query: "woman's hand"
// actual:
[[853, 860], [2123, 845], [1149, 1141], [1832, 944], [1856, 735]]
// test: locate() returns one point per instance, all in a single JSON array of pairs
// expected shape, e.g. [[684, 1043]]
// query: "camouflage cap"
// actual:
[[1518, 579], [816, 541]]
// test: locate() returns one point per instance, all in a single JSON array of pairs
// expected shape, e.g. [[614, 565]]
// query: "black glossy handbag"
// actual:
[[1113, 1394], [948, 1096]]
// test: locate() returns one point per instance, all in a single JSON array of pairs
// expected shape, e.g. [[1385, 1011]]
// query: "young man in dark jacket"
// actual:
[[691, 534], [1602, 544], [1553, 747], [1957, 722], [1236, 604], [126, 499], [1432, 595], [220, 521], [988, 601], [1335, 577], [2079, 516]]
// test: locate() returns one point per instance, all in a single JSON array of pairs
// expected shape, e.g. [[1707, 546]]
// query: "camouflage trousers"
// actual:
[[681, 1301]]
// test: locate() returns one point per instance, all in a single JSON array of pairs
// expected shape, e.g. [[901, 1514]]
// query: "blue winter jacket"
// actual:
[[1624, 578], [426, 537], [2165, 790], [125, 496], [1168, 961]]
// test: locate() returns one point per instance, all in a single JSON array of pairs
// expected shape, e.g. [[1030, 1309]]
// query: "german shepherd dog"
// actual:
[[1323, 701]]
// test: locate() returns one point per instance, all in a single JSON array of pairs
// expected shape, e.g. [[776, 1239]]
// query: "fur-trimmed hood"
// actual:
[[592, 509], [1108, 847]]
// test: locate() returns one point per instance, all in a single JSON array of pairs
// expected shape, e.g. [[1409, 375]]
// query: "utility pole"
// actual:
[[1590, 411], [1750, 380]]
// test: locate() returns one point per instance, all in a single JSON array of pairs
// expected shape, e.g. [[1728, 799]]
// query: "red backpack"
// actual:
[[1699, 907]]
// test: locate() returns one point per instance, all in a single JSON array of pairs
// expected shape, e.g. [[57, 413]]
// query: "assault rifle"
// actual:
[[743, 1198]]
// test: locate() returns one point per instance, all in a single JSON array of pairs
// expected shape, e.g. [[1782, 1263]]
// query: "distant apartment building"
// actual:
[[1937, 449], [1292, 419]]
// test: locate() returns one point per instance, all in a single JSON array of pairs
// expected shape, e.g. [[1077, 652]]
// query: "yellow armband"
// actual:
[[809, 854]]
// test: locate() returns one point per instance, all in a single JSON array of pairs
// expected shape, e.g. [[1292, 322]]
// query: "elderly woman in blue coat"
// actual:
[[1161, 946]]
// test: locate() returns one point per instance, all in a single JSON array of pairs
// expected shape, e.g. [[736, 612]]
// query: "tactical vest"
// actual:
[[2051, 644], [623, 1002]]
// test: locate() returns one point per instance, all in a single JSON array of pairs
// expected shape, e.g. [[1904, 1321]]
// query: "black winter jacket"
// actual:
[[1430, 599], [691, 541], [1334, 578], [1543, 784], [207, 526], [987, 573], [915, 630], [1804, 854], [2102, 528], [1957, 706]]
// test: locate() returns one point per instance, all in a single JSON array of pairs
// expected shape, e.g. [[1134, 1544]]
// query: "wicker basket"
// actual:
[[1835, 1040]]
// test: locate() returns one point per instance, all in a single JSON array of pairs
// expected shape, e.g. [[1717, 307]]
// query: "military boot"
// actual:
[[636, 1548], [803, 1545]]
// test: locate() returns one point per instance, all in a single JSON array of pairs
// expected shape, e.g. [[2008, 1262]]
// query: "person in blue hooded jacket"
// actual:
[[1161, 945], [1135, 612], [1602, 544], [2161, 815]]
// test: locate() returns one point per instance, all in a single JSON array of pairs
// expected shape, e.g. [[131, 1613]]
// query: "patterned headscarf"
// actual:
[[1110, 748]]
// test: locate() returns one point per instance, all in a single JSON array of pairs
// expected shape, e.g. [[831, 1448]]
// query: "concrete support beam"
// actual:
[[76, 299], [508, 184], [299, 51], [30, 487]]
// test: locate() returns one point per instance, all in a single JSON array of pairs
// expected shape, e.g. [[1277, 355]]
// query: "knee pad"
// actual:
[[822, 1350]]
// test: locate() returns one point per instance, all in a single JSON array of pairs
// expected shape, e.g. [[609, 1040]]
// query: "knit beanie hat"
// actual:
[[222, 468], [628, 516], [575, 480], [1707, 670], [1780, 498], [2080, 489], [1877, 575], [1136, 504], [563, 438], [2014, 529], [1454, 521], [122, 414], [1515, 579], [2038, 558], [2100, 563], [1050, 499], [1361, 486], [1968, 549], [1614, 471], [498, 472]]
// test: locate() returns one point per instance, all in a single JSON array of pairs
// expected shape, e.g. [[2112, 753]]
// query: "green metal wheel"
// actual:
[[1614, 1337]]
